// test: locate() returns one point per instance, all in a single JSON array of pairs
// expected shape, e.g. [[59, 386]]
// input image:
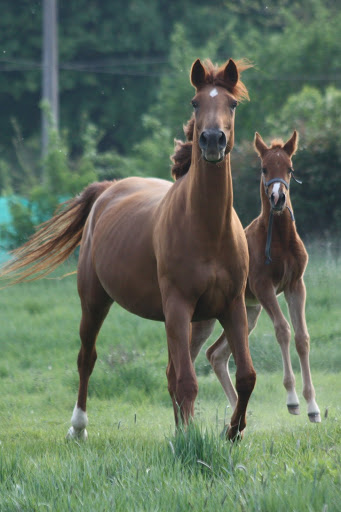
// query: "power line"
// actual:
[[130, 67]]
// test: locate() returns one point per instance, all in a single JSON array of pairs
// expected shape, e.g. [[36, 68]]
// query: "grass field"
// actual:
[[133, 461]]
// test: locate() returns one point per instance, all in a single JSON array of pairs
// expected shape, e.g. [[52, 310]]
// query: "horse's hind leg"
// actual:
[[296, 303], [201, 331], [94, 311], [219, 355]]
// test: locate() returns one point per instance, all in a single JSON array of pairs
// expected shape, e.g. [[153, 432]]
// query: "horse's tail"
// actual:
[[54, 240]]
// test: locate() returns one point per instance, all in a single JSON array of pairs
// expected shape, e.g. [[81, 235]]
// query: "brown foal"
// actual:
[[170, 252], [277, 265]]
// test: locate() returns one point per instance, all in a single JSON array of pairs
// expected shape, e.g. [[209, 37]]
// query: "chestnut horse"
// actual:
[[170, 252], [278, 260]]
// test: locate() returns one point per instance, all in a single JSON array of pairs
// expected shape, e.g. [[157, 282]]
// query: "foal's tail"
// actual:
[[54, 240]]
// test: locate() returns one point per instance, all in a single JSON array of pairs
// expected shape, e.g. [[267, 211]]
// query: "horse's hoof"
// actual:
[[294, 409], [78, 435], [315, 417]]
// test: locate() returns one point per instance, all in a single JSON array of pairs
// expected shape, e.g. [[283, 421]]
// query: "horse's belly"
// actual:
[[126, 267], [138, 295]]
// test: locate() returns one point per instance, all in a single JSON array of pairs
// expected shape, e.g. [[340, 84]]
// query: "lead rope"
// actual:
[[268, 259], [269, 236], [268, 240]]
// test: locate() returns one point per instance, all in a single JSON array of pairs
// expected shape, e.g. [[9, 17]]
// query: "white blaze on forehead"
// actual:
[[214, 93]]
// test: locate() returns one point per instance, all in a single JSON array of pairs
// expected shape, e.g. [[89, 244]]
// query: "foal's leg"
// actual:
[[182, 381], [295, 297], [267, 297], [219, 354], [95, 308], [234, 323]]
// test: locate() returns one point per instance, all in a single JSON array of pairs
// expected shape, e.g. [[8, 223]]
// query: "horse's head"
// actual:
[[277, 169], [217, 93]]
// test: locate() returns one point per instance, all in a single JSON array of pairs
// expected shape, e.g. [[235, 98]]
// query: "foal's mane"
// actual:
[[183, 151], [214, 75]]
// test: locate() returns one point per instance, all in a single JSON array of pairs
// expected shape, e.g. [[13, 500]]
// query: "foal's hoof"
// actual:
[[315, 417], [77, 435], [234, 434], [294, 409]]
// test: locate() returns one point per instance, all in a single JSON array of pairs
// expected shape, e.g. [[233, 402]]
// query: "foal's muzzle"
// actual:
[[277, 197], [213, 144], [277, 201]]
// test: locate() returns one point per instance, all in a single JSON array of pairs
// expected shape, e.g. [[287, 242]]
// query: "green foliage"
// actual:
[[136, 100], [21, 226], [58, 182], [5, 178]]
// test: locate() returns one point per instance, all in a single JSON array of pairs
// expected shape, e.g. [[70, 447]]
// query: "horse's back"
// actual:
[[117, 244]]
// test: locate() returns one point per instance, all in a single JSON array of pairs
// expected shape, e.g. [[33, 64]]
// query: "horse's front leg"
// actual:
[[295, 297], [182, 381], [234, 322]]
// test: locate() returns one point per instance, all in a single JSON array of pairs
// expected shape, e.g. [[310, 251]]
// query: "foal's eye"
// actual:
[[264, 171], [195, 104], [234, 104]]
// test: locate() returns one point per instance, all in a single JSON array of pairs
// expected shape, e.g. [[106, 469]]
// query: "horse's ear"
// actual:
[[231, 75], [198, 74], [259, 145], [290, 147]]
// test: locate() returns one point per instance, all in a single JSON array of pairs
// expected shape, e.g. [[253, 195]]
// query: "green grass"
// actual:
[[133, 461]]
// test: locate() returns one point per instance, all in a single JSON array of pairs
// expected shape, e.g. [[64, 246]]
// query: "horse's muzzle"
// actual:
[[213, 144]]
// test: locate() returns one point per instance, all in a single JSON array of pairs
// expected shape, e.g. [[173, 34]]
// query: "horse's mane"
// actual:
[[214, 75], [277, 143]]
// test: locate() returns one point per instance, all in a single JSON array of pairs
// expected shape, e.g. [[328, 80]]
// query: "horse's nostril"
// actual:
[[203, 140], [222, 140]]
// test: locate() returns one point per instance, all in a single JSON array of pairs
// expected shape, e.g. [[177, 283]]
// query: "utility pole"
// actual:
[[49, 69]]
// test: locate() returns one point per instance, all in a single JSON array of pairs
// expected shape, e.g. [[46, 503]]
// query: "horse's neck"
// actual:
[[210, 194]]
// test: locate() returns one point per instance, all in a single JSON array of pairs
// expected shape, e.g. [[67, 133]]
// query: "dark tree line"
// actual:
[[124, 92]]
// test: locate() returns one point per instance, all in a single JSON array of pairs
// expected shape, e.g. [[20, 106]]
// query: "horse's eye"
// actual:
[[234, 104], [195, 104], [264, 171]]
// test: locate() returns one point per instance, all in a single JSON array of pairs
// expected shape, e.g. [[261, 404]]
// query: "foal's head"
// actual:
[[218, 91], [277, 168]]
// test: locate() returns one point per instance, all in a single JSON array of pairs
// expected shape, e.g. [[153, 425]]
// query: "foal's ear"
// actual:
[[198, 74], [259, 145], [290, 147], [231, 75]]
